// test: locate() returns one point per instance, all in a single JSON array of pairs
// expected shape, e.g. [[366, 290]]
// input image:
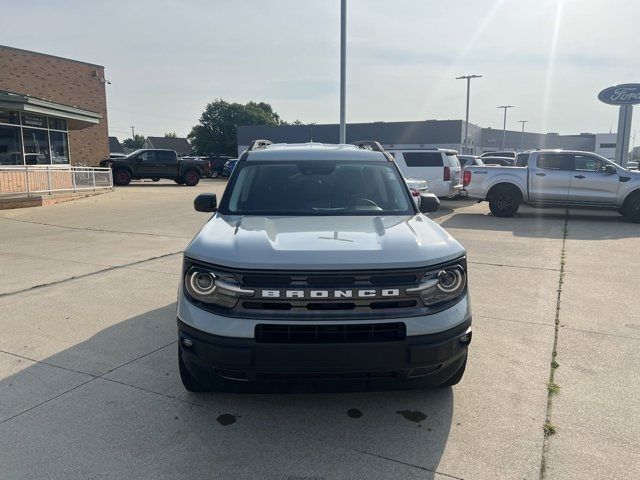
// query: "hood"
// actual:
[[323, 243]]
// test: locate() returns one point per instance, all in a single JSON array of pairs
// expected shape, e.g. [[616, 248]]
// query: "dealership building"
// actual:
[[428, 134], [53, 110]]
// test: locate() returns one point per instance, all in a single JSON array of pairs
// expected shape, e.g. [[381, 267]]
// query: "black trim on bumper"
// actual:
[[417, 361]]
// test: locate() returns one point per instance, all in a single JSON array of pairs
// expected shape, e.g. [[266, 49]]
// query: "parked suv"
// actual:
[[439, 167], [156, 164], [317, 265]]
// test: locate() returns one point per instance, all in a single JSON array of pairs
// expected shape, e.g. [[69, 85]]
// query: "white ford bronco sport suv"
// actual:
[[317, 265]]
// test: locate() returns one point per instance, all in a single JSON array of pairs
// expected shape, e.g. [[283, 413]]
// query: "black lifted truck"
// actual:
[[155, 164]]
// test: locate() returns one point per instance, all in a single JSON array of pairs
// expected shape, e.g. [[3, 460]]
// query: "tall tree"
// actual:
[[216, 131], [170, 135], [134, 143]]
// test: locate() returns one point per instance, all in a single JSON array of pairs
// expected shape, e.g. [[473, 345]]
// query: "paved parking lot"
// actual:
[[89, 385]]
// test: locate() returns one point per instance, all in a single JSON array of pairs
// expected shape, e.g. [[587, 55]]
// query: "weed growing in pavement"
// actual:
[[549, 429], [553, 387]]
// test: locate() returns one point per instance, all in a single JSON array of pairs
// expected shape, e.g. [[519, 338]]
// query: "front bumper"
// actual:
[[240, 363]]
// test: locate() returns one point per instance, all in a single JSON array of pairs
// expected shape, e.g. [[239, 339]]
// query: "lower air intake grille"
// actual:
[[374, 332]]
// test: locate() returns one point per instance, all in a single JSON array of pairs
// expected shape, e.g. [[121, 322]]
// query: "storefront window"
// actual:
[[30, 120], [59, 147], [57, 124], [10, 147], [9, 117], [36, 146], [34, 140]]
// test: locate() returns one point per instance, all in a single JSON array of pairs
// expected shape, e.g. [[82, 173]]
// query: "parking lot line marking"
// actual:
[[85, 275]]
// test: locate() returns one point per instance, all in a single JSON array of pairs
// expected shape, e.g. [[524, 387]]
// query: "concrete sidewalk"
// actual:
[[89, 386]]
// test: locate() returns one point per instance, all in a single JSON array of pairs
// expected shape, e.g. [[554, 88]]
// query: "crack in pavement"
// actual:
[[364, 452], [85, 275], [91, 229], [554, 353]]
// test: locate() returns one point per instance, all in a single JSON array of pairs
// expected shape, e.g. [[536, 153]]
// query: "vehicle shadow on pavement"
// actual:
[[135, 419], [546, 223]]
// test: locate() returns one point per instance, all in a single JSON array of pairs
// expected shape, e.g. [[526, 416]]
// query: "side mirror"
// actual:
[[429, 203], [206, 202], [610, 169], [137, 159]]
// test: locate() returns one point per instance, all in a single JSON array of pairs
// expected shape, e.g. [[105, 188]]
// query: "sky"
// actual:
[[167, 59]]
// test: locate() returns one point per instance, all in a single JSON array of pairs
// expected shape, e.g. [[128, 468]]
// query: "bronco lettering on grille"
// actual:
[[304, 294]]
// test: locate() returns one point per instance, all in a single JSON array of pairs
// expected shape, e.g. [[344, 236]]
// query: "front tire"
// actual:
[[191, 178], [188, 381], [121, 177], [504, 203], [631, 208]]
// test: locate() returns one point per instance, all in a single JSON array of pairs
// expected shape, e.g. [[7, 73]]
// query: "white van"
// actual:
[[439, 167]]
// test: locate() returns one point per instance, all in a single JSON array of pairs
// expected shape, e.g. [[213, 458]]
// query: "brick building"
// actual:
[[53, 110]]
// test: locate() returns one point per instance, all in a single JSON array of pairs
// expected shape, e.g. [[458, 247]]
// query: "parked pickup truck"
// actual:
[[563, 178], [155, 164], [317, 266]]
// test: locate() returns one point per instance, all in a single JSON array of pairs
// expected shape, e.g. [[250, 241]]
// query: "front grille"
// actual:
[[330, 281], [321, 295], [373, 332], [328, 306], [334, 280]]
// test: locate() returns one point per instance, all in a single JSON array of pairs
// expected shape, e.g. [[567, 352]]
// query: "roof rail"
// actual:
[[373, 146], [257, 144], [369, 145]]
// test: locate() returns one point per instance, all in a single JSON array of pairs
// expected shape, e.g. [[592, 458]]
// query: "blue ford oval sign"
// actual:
[[626, 94]]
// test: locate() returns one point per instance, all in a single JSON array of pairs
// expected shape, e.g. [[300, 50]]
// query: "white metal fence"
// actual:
[[38, 179]]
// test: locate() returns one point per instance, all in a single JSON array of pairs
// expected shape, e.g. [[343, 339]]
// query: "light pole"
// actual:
[[466, 124], [343, 70], [522, 134], [504, 125]]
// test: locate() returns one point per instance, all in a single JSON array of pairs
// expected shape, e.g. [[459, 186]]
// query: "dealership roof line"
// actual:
[[6, 47]]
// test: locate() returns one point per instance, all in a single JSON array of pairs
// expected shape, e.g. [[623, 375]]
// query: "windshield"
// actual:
[[317, 188]]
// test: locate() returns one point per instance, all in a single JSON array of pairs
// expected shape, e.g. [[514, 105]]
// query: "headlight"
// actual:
[[441, 285], [213, 287]]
